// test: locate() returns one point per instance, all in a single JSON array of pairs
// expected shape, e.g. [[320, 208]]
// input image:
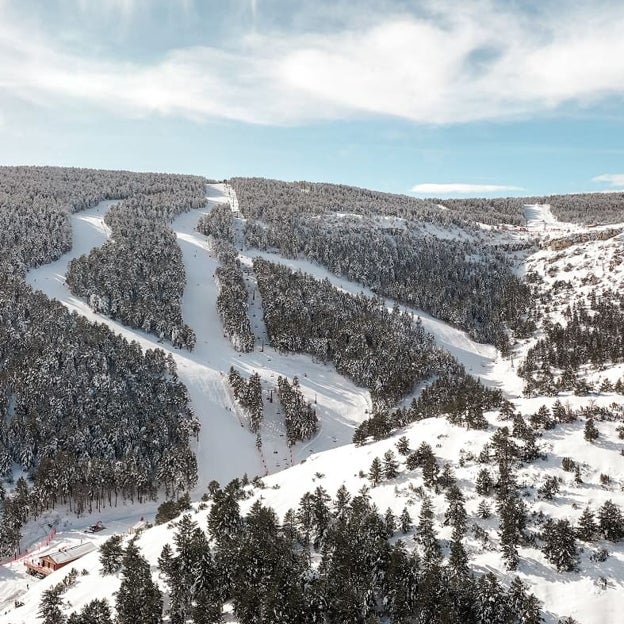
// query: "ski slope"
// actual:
[[539, 218], [225, 449], [480, 360]]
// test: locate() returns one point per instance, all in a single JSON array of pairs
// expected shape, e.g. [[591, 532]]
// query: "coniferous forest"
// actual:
[[385, 351], [138, 276], [85, 413], [386, 242], [90, 420]]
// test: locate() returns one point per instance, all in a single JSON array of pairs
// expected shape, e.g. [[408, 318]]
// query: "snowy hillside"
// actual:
[[582, 595], [535, 448]]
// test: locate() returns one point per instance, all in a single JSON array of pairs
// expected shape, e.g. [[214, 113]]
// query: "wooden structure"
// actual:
[[138, 527], [53, 561]]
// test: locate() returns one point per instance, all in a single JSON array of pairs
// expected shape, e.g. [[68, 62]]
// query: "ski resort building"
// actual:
[[51, 562]]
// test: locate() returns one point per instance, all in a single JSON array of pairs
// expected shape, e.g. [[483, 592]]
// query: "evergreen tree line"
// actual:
[[270, 201], [592, 333], [35, 204], [299, 415], [232, 299], [577, 208], [460, 397], [557, 538], [218, 223], [86, 413], [248, 395], [138, 275], [467, 281], [138, 599], [384, 351], [264, 568]]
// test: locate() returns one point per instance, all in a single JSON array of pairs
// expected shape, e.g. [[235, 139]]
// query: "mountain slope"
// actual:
[[226, 449]]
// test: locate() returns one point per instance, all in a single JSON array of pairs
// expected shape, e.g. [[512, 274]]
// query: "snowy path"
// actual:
[[539, 218], [225, 449]]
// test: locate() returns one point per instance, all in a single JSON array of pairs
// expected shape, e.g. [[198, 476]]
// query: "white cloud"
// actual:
[[451, 64], [614, 179], [459, 188]]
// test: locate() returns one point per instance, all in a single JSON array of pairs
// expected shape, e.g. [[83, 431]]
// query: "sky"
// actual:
[[434, 98]]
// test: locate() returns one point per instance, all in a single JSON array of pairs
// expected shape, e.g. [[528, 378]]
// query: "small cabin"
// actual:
[[138, 527], [51, 562]]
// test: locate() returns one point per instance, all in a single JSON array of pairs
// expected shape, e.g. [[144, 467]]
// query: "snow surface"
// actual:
[[539, 217], [577, 594]]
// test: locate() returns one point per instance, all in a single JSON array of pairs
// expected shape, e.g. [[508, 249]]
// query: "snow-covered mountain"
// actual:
[[564, 263]]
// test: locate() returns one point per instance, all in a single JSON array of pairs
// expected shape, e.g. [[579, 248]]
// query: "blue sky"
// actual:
[[432, 97]]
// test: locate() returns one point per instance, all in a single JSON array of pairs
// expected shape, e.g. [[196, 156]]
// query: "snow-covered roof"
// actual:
[[71, 553]]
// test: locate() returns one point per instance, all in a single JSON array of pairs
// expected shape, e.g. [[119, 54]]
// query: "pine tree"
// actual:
[[484, 511], [305, 516], [402, 586], [511, 520], [289, 526], [359, 435], [606, 385], [253, 402], [138, 598], [320, 511], [520, 428], [390, 465], [475, 418], [587, 528], [430, 470], [403, 446], [375, 472], [207, 591], [611, 521], [95, 612], [390, 522], [405, 521], [191, 546], [426, 535], [413, 461], [560, 545], [166, 560], [524, 606], [447, 477], [590, 432], [484, 484], [343, 498], [224, 521], [455, 514], [560, 413], [111, 554], [504, 448], [50, 606], [458, 559], [549, 488], [490, 603]]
